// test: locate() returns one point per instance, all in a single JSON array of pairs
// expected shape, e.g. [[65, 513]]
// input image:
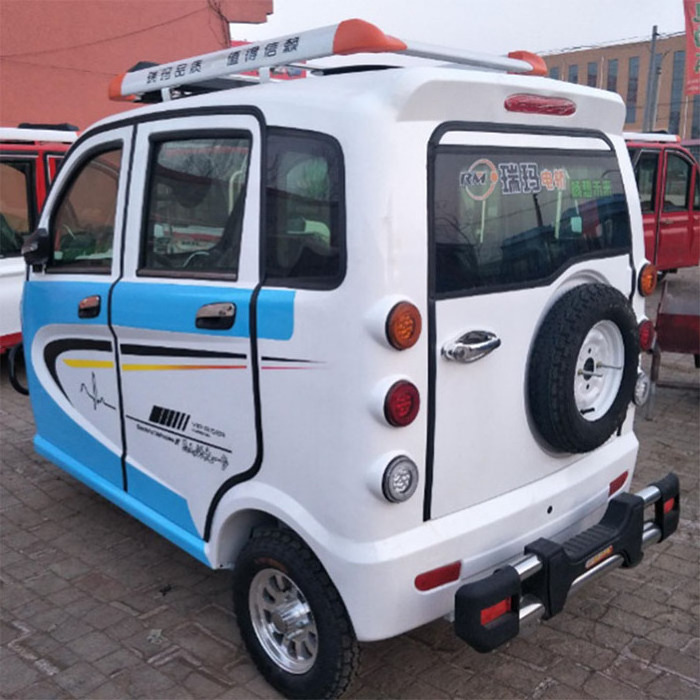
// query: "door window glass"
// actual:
[[196, 201], [506, 217], [677, 192], [304, 235], [16, 219], [83, 224], [646, 172]]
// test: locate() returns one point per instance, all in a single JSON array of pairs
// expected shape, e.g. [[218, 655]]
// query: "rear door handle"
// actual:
[[90, 307], [217, 317], [471, 346]]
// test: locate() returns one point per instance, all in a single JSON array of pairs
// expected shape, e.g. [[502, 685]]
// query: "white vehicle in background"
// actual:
[[29, 159], [369, 339]]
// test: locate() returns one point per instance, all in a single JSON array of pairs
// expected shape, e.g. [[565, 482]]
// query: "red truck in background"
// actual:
[[668, 180], [29, 159]]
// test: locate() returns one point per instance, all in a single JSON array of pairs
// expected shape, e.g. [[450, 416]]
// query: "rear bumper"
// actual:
[[490, 611]]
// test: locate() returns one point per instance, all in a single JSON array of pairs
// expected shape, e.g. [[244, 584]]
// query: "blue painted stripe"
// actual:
[[173, 308], [160, 498], [177, 535], [56, 301]]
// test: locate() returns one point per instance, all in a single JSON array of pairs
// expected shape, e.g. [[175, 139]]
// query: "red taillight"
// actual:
[[438, 577], [647, 333], [536, 104], [648, 277], [401, 403], [495, 611], [617, 484], [403, 325], [669, 505]]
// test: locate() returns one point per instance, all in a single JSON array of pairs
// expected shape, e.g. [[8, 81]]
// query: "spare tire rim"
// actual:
[[283, 621], [599, 369]]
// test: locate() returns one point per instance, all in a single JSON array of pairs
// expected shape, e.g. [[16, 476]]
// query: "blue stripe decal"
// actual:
[[193, 545], [160, 498], [41, 305], [276, 314], [173, 308]]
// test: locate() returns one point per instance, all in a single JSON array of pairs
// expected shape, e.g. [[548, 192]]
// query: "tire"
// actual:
[[583, 368], [277, 575]]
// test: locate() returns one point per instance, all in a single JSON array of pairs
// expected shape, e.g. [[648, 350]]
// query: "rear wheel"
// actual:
[[292, 618]]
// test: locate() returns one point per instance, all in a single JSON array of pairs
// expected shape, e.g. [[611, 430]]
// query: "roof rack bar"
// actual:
[[348, 37]]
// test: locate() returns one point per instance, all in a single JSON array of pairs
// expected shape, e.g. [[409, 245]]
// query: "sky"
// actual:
[[493, 26]]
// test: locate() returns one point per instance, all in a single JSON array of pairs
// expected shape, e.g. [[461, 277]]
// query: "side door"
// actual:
[[676, 226], [182, 316], [72, 373]]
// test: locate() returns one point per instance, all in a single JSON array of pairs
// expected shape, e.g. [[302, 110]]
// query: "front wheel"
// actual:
[[292, 618]]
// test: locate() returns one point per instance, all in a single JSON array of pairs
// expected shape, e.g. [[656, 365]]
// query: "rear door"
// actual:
[[511, 225], [182, 316], [72, 374]]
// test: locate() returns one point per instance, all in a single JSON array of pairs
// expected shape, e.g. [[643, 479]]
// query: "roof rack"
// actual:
[[30, 133], [650, 136], [348, 37]]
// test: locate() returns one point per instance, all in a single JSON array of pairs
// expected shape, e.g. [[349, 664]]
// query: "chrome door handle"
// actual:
[[218, 317], [90, 307], [471, 346]]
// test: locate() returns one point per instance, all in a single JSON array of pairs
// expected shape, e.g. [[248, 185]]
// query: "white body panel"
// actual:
[[495, 487], [12, 272]]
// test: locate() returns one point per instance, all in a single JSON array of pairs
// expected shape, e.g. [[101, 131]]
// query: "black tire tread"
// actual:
[[282, 545], [550, 384]]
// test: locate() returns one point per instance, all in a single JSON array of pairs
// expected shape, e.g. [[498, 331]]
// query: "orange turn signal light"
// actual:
[[403, 325], [648, 277]]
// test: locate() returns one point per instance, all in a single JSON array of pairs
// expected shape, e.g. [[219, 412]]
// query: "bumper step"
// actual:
[[490, 612]]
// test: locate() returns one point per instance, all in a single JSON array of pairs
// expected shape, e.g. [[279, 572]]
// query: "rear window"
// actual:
[[514, 217]]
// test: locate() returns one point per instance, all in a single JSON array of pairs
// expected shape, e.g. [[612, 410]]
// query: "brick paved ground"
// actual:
[[95, 605]]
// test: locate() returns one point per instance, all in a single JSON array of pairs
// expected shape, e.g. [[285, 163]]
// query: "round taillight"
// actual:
[[647, 333], [401, 403], [648, 276], [400, 480], [403, 325]]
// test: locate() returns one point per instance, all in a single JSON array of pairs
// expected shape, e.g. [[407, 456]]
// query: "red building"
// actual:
[[57, 58]]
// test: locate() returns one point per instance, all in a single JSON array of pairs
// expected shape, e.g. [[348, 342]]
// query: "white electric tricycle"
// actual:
[[370, 338]]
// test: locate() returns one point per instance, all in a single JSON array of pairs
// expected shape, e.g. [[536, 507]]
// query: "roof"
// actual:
[[13, 133]]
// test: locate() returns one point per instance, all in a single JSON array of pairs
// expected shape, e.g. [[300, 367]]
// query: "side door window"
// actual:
[[677, 189], [646, 173], [82, 226], [16, 205], [194, 214], [305, 227]]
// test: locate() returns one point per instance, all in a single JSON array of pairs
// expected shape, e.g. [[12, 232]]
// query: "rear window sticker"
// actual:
[[480, 180], [587, 189]]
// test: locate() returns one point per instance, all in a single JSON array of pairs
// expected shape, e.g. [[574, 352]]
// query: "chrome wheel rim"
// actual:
[[599, 368], [283, 621]]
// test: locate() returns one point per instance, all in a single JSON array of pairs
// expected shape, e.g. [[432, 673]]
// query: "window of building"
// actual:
[[305, 221], [695, 123], [612, 74], [592, 74], [573, 74], [83, 223], [506, 217], [632, 90], [194, 215], [16, 220], [554, 73], [674, 120]]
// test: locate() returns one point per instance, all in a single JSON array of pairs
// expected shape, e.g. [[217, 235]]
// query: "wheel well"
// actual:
[[236, 531]]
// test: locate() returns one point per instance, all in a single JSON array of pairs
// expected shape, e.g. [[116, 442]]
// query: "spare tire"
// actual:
[[583, 368]]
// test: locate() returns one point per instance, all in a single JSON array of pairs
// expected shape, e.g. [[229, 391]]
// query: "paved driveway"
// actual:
[[95, 605]]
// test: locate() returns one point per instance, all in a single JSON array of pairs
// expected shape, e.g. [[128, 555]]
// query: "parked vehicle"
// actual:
[[370, 339], [669, 191], [29, 160]]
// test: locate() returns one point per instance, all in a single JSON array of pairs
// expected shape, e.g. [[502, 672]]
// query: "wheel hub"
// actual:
[[283, 621]]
